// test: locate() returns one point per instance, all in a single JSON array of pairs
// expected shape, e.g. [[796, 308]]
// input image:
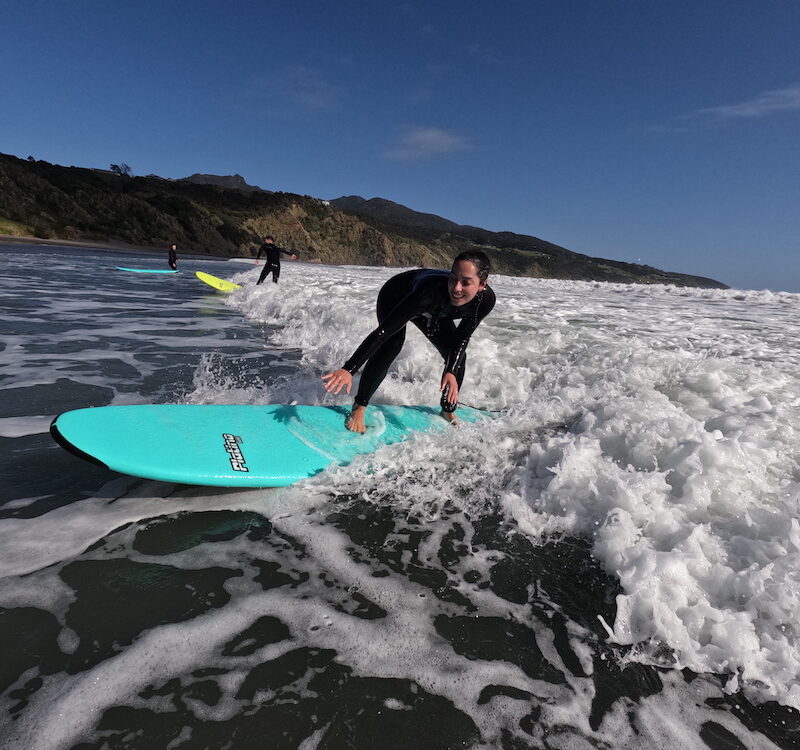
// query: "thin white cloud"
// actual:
[[297, 87], [766, 104], [310, 89], [427, 143], [763, 105], [485, 53]]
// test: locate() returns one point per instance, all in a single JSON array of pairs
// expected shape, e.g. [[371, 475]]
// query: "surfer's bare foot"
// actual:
[[355, 420], [450, 417]]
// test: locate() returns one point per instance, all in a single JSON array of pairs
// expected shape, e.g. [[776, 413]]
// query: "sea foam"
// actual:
[[678, 414]]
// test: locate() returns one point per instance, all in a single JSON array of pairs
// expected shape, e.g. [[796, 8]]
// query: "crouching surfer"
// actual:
[[432, 300]]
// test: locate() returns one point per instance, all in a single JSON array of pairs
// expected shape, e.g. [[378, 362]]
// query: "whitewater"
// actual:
[[680, 460], [631, 505]]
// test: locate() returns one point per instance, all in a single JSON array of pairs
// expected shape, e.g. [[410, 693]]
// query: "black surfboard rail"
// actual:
[[55, 433]]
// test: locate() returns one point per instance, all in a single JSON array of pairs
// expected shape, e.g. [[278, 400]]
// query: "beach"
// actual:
[[609, 560]]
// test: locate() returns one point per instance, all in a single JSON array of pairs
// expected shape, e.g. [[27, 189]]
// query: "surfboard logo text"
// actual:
[[234, 452]]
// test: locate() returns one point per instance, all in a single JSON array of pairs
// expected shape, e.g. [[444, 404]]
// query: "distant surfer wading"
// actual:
[[272, 262], [432, 300], [172, 257]]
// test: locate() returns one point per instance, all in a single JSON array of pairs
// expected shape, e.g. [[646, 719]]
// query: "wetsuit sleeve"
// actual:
[[262, 249], [465, 330], [410, 306], [287, 252]]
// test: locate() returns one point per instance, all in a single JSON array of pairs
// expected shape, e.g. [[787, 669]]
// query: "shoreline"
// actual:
[[112, 246]]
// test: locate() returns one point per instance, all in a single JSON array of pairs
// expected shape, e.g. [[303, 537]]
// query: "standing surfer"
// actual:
[[432, 300], [172, 258], [272, 262]]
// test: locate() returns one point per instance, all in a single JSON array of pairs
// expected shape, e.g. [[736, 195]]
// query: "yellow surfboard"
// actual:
[[219, 284]]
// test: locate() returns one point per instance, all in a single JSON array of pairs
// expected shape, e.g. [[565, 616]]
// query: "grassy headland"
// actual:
[[73, 203]]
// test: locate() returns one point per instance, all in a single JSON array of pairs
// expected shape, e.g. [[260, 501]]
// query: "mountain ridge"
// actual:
[[399, 215], [208, 217], [395, 213], [233, 181]]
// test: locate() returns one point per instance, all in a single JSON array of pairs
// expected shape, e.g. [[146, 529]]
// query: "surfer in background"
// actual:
[[172, 258], [272, 262], [432, 300]]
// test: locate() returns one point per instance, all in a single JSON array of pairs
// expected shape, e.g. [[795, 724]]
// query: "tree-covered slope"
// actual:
[[74, 203]]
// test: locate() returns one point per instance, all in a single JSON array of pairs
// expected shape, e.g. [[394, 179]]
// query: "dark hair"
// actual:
[[269, 237], [479, 258]]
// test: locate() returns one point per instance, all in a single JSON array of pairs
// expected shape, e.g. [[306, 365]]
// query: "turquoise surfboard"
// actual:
[[145, 270], [235, 446]]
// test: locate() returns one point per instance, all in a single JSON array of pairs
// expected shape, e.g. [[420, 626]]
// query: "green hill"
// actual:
[[73, 203]]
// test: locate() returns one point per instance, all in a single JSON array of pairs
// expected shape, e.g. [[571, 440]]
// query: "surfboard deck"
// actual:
[[145, 270], [235, 445], [218, 284]]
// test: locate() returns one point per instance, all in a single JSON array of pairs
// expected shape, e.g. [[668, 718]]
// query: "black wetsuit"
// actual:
[[172, 259], [272, 263], [420, 297]]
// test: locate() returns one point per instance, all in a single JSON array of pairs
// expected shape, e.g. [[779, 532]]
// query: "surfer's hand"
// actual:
[[450, 383], [335, 381], [293, 256]]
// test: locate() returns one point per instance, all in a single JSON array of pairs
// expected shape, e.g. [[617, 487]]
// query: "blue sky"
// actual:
[[665, 133]]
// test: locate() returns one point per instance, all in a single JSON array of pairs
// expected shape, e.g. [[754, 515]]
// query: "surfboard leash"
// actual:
[[478, 408]]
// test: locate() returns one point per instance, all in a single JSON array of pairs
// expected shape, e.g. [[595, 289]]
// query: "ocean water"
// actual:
[[611, 561]]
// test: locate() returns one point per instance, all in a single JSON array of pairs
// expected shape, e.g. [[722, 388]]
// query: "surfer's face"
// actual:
[[464, 283]]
